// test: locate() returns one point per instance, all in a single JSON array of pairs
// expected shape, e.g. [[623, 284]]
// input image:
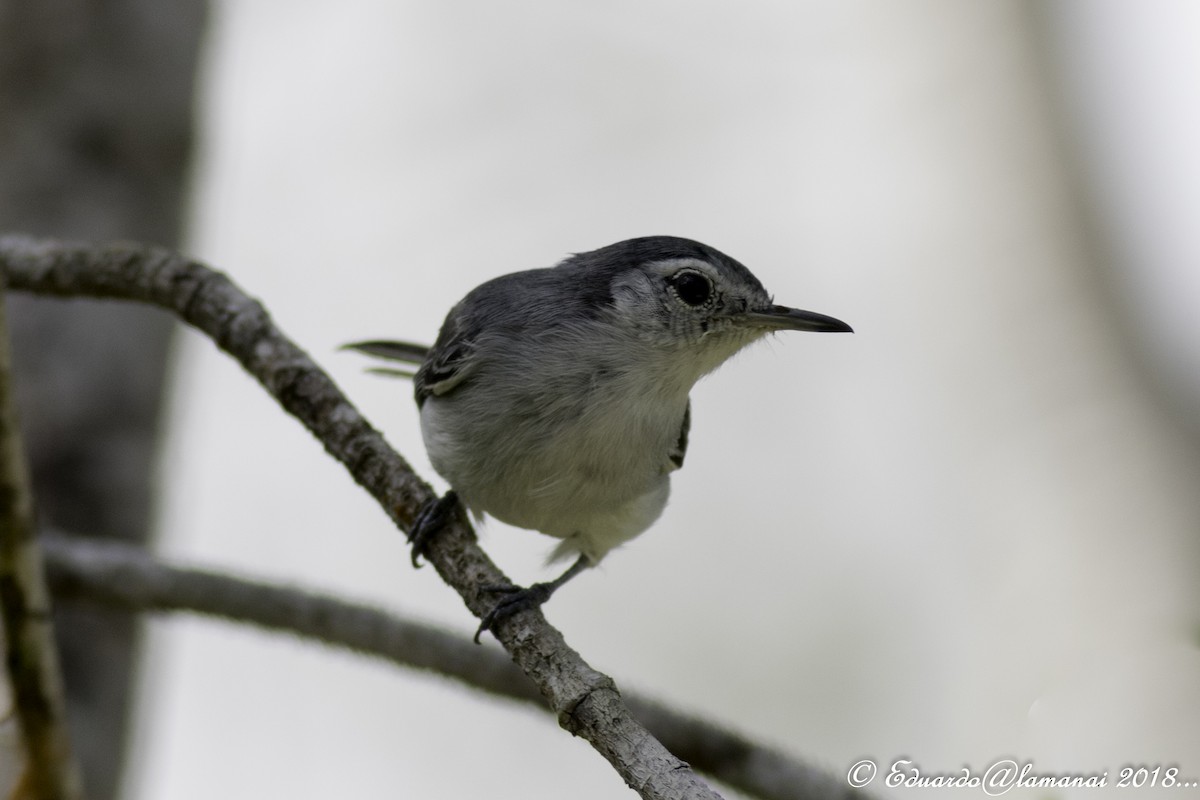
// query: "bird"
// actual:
[[557, 399]]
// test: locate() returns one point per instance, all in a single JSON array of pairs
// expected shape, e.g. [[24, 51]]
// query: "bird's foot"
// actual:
[[432, 517], [516, 599]]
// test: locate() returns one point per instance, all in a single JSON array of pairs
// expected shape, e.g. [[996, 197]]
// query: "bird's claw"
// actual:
[[432, 517], [518, 599]]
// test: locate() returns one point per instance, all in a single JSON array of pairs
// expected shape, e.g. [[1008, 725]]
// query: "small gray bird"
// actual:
[[557, 399]]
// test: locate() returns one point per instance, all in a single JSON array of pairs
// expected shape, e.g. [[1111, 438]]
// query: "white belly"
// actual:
[[596, 483]]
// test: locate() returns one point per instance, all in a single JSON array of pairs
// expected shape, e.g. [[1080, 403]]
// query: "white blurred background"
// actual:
[[967, 532]]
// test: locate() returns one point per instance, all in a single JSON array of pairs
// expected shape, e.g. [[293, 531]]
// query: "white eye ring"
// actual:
[[692, 287]]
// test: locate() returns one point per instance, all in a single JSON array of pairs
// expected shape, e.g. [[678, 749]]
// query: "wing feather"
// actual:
[[681, 444]]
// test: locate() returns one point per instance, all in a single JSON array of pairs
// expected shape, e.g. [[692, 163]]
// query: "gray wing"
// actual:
[[450, 360], [680, 449], [508, 307]]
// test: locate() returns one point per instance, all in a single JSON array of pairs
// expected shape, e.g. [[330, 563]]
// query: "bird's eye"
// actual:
[[691, 287]]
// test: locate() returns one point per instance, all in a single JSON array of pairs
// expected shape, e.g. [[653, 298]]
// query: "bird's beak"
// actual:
[[793, 319]]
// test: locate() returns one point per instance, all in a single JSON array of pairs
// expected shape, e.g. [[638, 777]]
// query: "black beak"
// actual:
[[793, 319]]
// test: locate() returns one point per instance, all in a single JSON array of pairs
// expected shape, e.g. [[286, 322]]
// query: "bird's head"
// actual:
[[685, 297]]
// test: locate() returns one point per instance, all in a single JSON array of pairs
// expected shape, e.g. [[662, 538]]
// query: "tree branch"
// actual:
[[587, 702], [128, 577], [30, 655]]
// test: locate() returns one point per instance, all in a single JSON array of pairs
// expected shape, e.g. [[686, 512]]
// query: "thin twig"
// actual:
[[30, 654], [128, 577], [586, 702]]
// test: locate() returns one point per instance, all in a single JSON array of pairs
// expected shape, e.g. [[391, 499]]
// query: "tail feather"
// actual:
[[390, 372], [406, 352]]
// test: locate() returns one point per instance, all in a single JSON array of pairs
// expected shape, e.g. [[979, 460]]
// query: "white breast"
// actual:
[[600, 479]]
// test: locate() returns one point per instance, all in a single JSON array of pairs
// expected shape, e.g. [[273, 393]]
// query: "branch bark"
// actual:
[[29, 651], [586, 701], [129, 578]]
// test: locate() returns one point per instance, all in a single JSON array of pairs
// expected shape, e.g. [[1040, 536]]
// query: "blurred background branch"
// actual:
[[129, 578], [96, 131], [41, 762]]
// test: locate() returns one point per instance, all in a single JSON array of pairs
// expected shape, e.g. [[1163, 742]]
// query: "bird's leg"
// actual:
[[518, 599], [432, 517]]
